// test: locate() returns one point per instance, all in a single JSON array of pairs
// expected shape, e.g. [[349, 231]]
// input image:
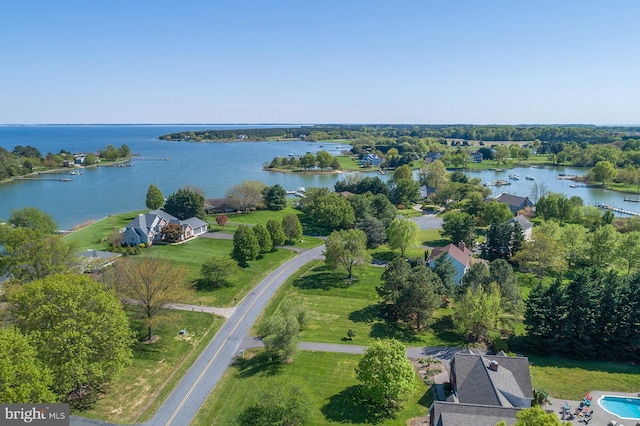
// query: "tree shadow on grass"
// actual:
[[322, 279], [443, 328], [387, 330], [259, 364], [383, 257], [367, 314], [350, 407]]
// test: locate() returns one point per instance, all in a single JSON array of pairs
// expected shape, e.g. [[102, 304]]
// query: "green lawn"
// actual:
[[570, 379], [336, 307], [192, 254], [328, 377], [136, 394], [95, 236], [347, 163]]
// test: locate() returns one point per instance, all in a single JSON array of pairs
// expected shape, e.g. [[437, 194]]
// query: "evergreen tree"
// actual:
[[263, 237], [276, 233], [155, 199]]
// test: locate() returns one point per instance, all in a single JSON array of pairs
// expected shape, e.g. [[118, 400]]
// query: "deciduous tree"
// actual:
[[222, 220], [478, 312], [245, 245], [292, 228], [459, 226], [23, 378], [34, 219], [185, 204], [263, 237], [385, 373], [149, 285], [79, 330], [402, 234], [276, 233], [348, 249], [246, 195], [216, 271]]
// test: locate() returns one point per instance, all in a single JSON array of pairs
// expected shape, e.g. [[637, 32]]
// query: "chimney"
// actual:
[[461, 245], [493, 365]]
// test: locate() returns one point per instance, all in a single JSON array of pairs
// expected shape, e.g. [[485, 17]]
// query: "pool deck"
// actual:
[[600, 417]]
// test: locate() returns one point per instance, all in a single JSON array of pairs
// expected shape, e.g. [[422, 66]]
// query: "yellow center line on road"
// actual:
[[175, 413]]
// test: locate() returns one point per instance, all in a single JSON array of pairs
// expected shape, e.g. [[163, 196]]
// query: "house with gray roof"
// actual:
[[515, 202], [147, 228], [525, 225], [94, 260], [485, 390]]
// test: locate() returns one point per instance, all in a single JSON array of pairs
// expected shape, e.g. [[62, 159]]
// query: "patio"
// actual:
[[599, 417]]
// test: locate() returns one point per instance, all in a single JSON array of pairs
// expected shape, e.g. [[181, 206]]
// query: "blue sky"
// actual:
[[307, 61]]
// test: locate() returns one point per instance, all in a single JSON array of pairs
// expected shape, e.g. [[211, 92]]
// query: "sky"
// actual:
[[320, 62]]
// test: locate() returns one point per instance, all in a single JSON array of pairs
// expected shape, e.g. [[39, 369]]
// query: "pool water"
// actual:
[[621, 406]]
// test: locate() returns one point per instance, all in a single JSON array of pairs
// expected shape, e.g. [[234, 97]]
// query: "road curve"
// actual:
[[184, 402]]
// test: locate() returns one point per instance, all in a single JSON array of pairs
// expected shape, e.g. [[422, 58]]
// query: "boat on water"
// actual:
[[529, 177], [75, 173], [514, 176], [382, 172], [573, 185], [499, 170], [501, 182]]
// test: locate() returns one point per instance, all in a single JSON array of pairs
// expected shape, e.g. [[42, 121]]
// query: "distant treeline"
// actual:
[[565, 133]]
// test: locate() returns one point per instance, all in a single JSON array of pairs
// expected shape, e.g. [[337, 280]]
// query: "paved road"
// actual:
[[185, 401]]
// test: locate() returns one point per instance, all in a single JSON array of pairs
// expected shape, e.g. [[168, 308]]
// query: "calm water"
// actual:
[[102, 191], [214, 167]]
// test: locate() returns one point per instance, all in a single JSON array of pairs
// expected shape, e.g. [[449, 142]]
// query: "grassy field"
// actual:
[[137, 393], [194, 253], [570, 379], [94, 236], [328, 377], [336, 307]]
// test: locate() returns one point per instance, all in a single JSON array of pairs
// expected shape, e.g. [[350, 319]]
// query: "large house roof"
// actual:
[[512, 200], [455, 414], [478, 383], [195, 222], [462, 254]]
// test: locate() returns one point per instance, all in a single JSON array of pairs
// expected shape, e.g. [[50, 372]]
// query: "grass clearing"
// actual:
[[570, 379], [136, 394], [335, 307], [329, 378], [94, 236]]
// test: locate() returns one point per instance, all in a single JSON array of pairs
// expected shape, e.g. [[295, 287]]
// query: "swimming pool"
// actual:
[[622, 406]]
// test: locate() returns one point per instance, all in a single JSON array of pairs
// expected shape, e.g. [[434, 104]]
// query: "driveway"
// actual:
[[428, 221]]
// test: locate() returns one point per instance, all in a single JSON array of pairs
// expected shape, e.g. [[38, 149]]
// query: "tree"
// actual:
[[348, 249], [403, 172], [385, 373], [402, 234], [278, 403], [308, 161], [34, 219], [222, 220], [602, 245], [279, 332], [245, 245], [495, 212], [383, 209], [185, 204], [501, 273], [628, 251], [504, 240], [23, 378], [263, 237], [459, 227], [331, 212], [478, 312], [374, 230], [536, 416], [246, 195], [215, 272], [405, 191], [434, 175], [276, 233], [446, 271], [90, 159], [541, 254], [602, 171], [30, 255], [171, 232], [324, 159], [292, 227], [275, 197], [79, 330], [155, 199], [419, 298], [149, 285]]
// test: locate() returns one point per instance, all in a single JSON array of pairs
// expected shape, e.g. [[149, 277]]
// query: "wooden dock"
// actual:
[[49, 179], [617, 209]]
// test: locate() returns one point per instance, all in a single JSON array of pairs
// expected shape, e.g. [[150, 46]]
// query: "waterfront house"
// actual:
[[371, 160], [515, 202], [431, 157], [147, 228], [476, 157], [485, 390], [219, 205], [94, 260], [460, 256]]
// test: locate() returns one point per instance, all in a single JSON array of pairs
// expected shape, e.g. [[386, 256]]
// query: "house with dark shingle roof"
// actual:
[[515, 202], [485, 390], [431, 157], [147, 228], [459, 254]]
